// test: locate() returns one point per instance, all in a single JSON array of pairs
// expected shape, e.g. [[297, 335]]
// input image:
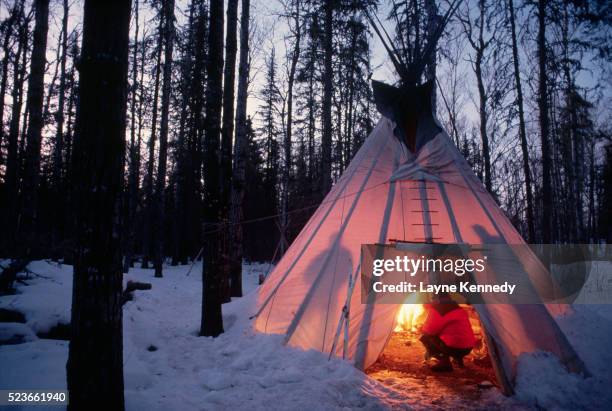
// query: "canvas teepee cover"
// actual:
[[388, 192]]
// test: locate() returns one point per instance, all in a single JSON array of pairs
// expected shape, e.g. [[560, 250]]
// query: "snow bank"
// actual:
[[239, 369], [15, 333], [543, 381], [46, 300], [39, 364], [168, 366]]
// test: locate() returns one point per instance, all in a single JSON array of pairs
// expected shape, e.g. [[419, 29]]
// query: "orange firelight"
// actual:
[[409, 317]]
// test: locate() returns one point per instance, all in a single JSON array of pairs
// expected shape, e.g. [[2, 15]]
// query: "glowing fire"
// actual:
[[409, 317]]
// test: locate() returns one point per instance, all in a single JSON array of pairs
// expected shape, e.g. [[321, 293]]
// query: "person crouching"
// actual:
[[447, 333]]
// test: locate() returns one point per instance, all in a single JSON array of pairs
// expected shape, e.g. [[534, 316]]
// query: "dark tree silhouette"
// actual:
[[34, 108], [134, 150], [522, 128], [11, 177], [95, 360], [227, 134], [212, 321], [547, 235], [149, 208], [328, 76], [7, 27], [240, 152], [160, 187]]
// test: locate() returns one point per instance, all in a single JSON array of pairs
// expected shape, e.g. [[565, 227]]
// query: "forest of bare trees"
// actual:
[[213, 129]]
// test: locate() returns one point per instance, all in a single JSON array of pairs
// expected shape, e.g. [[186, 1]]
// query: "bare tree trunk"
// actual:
[[212, 320], [522, 129], [139, 133], [10, 22], [58, 150], [592, 176], [51, 90], [310, 103], [11, 177], [183, 142], [544, 127], [148, 183], [567, 137], [351, 96], [559, 222], [70, 123], [576, 143], [95, 358], [328, 75], [240, 145], [134, 165], [339, 100], [190, 221], [482, 111], [34, 105], [159, 205], [432, 26], [295, 55], [482, 95], [479, 45], [227, 133]]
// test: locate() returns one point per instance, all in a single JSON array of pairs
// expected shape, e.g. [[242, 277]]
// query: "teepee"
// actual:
[[409, 182]]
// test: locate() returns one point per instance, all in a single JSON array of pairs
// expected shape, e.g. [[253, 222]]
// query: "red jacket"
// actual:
[[451, 324]]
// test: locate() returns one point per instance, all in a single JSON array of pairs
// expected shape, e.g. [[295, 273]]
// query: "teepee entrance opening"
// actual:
[[402, 364]]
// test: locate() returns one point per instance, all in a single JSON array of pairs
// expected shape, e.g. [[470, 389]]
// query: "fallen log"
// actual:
[[136, 285], [11, 316], [130, 287], [9, 275]]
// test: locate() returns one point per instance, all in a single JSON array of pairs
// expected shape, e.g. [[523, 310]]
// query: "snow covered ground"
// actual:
[[167, 366]]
